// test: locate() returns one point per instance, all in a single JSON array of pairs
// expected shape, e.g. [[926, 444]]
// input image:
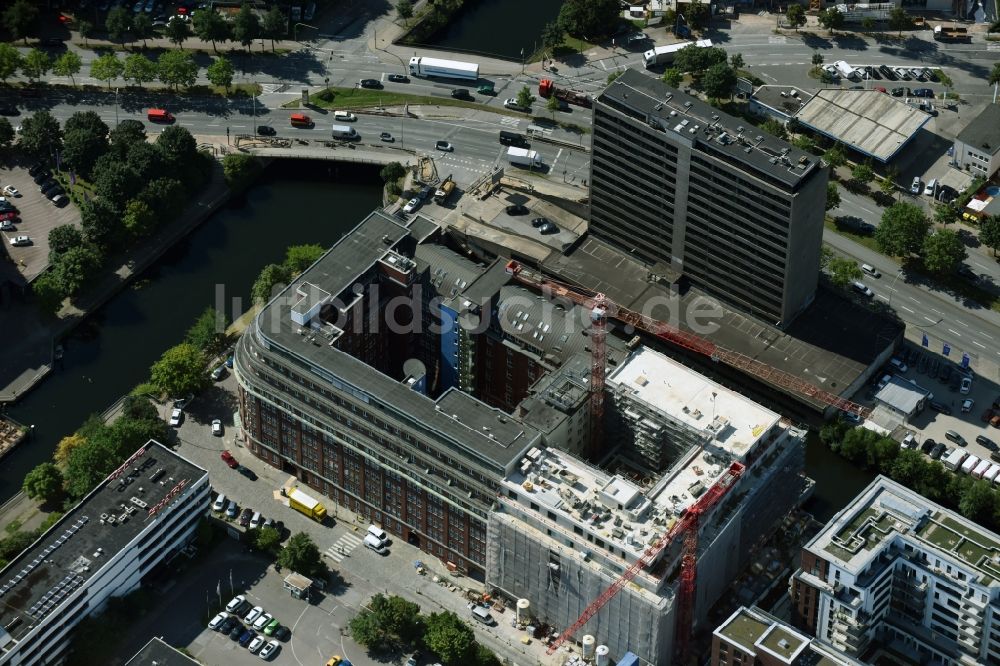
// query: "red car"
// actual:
[[228, 458], [9, 215]]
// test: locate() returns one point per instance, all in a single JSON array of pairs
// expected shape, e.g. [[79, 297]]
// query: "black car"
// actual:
[[967, 273], [245, 517], [36, 169], [887, 73], [928, 446], [247, 472], [283, 633], [371, 83], [539, 222], [41, 177], [55, 192], [855, 224], [923, 92], [228, 624], [517, 209], [461, 93], [937, 451], [940, 407], [237, 631], [983, 440], [266, 130], [9, 110], [52, 43], [399, 78], [899, 92], [50, 187], [548, 228]]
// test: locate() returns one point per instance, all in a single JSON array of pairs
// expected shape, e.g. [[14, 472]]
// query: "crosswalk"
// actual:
[[342, 547], [508, 121]]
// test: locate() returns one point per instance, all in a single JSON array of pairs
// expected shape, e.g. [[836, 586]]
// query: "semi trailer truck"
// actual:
[[443, 69]]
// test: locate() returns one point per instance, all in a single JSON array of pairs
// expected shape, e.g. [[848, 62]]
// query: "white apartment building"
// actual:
[[977, 147], [897, 574], [142, 514]]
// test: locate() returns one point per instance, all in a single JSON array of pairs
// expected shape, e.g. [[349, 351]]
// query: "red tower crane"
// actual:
[[599, 302], [687, 525]]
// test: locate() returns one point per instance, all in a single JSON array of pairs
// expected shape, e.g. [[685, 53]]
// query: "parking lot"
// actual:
[[37, 216]]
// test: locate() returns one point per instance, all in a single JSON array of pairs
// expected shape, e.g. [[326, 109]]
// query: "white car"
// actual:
[[831, 70], [511, 103], [7, 225], [262, 621], [967, 405], [966, 386], [862, 289], [217, 621], [252, 616], [256, 520], [220, 503], [217, 427], [19, 241], [176, 417], [269, 650], [411, 205], [915, 185], [256, 644], [11, 191], [235, 603]]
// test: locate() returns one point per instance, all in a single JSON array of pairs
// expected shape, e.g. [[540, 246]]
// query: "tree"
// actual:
[[899, 20], [107, 68], [100, 223], [887, 185], [181, 370], [843, 271], [817, 58], [692, 58], [774, 128], [835, 157], [165, 196], [979, 502], [867, 24], [367, 630], [552, 36], [719, 81], [19, 19], [179, 148], [387, 622], [81, 150], [48, 292], [208, 333], [246, 27], [989, 232], [10, 61], [449, 638], [7, 133], [943, 251], [146, 161], [274, 26], [177, 31], [301, 555], [86, 30], [589, 18], [902, 230], [736, 61], [945, 213], [139, 69], [404, 10], [63, 238], [118, 24], [137, 407], [87, 466], [831, 19], [68, 64], [40, 134], [211, 27], [832, 196], [552, 105], [672, 77], [524, 97], [177, 68], [114, 182], [994, 79], [862, 173], [142, 27], [271, 277], [36, 64], [795, 15], [139, 219], [300, 257], [45, 483], [76, 266], [128, 133], [613, 76], [220, 73], [66, 446], [392, 172]]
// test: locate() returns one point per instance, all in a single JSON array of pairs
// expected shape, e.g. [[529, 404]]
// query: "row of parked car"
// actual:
[[250, 627]]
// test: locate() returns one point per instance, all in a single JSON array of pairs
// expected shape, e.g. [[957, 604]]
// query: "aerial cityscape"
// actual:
[[482, 333]]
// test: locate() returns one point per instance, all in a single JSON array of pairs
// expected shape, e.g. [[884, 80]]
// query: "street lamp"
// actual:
[[116, 106]]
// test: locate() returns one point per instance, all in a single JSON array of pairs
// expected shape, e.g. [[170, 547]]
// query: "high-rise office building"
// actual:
[[894, 572], [693, 191]]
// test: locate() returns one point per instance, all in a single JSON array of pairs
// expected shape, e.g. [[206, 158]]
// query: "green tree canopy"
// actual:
[[177, 31], [979, 502], [832, 195], [118, 24], [81, 149], [145, 160], [19, 19], [101, 223], [450, 638], [114, 182], [272, 276], [240, 169], [943, 251], [86, 30], [142, 27], [76, 266], [589, 18], [246, 26], [45, 483], [524, 97], [404, 9], [300, 257], [392, 171], [208, 333], [220, 73], [177, 68], [165, 196], [774, 128], [10, 61], [796, 16], [48, 292], [552, 36], [139, 70], [212, 27], [63, 238], [843, 271], [989, 232], [862, 173], [736, 61], [899, 20], [179, 148], [107, 68], [36, 64], [719, 81], [128, 133], [387, 622], [268, 540], [672, 77], [274, 26], [835, 157], [181, 370], [831, 19], [301, 555], [902, 230], [40, 135], [68, 64], [87, 466], [7, 133], [697, 59], [139, 219]]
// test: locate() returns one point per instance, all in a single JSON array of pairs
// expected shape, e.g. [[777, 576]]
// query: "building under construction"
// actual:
[[566, 529]]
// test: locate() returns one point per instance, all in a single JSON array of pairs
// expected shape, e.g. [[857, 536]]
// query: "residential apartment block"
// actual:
[[752, 637], [692, 191], [897, 574], [142, 514], [977, 147]]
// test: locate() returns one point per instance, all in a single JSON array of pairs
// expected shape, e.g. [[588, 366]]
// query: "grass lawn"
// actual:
[[570, 46], [363, 98]]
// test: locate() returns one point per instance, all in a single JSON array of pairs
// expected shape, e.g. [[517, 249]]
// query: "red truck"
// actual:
[[159, 116], [546, 88]]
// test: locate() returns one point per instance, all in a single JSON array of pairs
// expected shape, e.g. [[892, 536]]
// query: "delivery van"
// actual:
[[159, 116], [301, 120], [345, 132]]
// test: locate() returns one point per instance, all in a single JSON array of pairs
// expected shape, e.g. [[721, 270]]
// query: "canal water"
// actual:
[[498, 28], [294, 203]]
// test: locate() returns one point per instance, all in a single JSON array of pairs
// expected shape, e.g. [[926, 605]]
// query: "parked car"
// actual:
[[217, 621], [937, 451], [9, 110], [967, 405], [218, 373], [60, 200], [271, 628], [940, 407], [269, 650], [256, 644], [247, 472], [915, 185], [887, 72], [228, 458], [511, 103], [898, 92], [399, 78], [236, 632], [266, 130], [236, 603], [412, 205], [232, 510], [370, 83], [917, 73], [965, 386], [7, 225], [247, 636], [262, 621], [862, 289], [228, 624], [11, 191], [245, 517], [257, 520], [444, 146], [517, 209], [176, 416], [923, 92], [928, 445], [983, 440], [254, 613], [36, 169], [953, 436], [901, 73], [220, 503], [217, 429], [387, 137]]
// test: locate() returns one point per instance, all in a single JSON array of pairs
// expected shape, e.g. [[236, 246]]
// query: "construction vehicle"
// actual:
[[305, 504], [945, 34], [443, 192], [547, 88]]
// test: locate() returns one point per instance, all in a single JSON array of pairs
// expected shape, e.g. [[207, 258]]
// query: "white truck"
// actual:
[[444, 69], [970, 464], [345, 132], [524, 157], [664, 55], [955, 459], [845, 70]]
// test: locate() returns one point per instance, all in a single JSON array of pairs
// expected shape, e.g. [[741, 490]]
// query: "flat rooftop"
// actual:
[[783, 99], [983, 132], [158, 653], [349, 263], [886, 510], [73, 550], [902, 394], [656, 104], [868, 121], [755, 631], [829, 345]]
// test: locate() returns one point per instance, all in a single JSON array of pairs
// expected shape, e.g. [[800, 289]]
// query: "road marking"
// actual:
[[986, 335], [954, 332], [935, 311], [913, 299], [883, 298], [961, 323], [907, 309], [979, 344], [342, 547], [933, 321], [558, 155]]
